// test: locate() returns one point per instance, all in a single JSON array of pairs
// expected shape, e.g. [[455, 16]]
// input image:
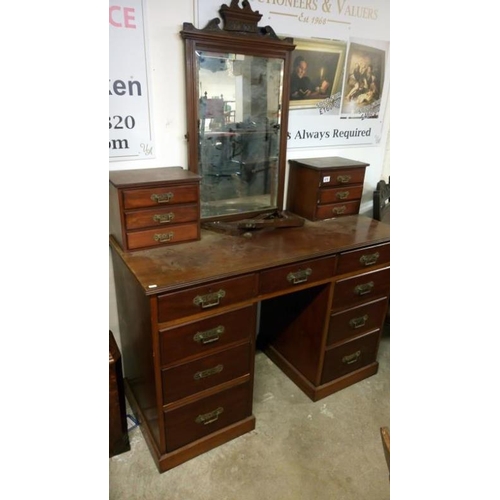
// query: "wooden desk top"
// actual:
[[218, 255]]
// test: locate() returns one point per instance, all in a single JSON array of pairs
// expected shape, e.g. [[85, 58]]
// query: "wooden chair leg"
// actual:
[[385, 435]]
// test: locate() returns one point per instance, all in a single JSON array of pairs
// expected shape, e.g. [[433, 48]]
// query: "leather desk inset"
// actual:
[[188, 322]]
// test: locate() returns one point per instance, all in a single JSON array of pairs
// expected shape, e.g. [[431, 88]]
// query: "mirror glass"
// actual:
[[239, 105]]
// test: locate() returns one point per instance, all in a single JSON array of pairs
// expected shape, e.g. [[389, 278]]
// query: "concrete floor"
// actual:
[[299, 450]]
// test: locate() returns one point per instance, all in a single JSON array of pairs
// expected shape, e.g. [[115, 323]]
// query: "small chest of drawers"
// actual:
[[153, 207], [324, 188]]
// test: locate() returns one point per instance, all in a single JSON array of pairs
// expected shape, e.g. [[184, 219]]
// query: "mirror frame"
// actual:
[[239, 35]]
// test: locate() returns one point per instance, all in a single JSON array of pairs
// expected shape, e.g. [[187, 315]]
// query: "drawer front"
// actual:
[[358, 260], [340, 194], [164, 216], [163, 236], [206, 297], [201, 337], [337, 209], [340, 177], [350, 356], [209, 371], [160, 196], [356, 321], [286, 277], [200, 418], [362, 288]]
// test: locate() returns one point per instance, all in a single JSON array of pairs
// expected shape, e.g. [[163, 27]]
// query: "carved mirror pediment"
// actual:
[[237, 113]]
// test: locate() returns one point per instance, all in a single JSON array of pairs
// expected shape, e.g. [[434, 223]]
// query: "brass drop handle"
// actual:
[[358, 322], [162, 198], [339, 210], [342, 195], [209, 336], [370, 259], [300, 276], [351, 358], [364, 288], [163, 218], [208, 418], [343, 179], [163, 237], [209, 372], [209, 300]]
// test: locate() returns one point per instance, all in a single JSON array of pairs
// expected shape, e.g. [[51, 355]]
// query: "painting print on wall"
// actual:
[[363, 82], [316, 73]]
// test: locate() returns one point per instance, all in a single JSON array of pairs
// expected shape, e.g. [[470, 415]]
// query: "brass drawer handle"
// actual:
[[343, 179], [209, 336], [358, 322], [209, 417], [342, 195], [300, 276], [209, 300], [163, 218], [364, 288], [162, 198], [339, 210], [351, 358], [369, 260], [209, 372], [162, 238]]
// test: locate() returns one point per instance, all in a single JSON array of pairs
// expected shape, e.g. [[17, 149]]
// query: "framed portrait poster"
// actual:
[[363, 81], [316, 75]]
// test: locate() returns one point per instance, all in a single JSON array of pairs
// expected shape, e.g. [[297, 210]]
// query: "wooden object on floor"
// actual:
[[324, 188], [151, 207], [188, 319], [385, 435], [118, 434], [381, 202]]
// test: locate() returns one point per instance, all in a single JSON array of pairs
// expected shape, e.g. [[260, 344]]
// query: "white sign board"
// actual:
[[343, 44], [130, 127]]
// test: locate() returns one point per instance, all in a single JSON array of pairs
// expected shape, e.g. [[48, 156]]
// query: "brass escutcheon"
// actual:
[[369, 260], [351, 358], [364, 288], [342, 195], [164, 218], [339, 210], [300, 276], [343, 179], [358, 322], [207, 373], [209, 300], [209, 417], [163, 237], [208, 336], [162, 198]]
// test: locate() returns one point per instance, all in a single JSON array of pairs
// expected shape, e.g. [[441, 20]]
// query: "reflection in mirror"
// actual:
[[239, 102]]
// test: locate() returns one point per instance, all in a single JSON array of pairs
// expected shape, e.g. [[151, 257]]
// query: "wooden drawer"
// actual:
[[165, 216], [159, 236], [208, 297], [358, 260], [200, 418], [356, 321], [286, 277], [361, 288], [202, 337], [189, 378], [342, 177], [337, 209], [160, 196], [350, 356], [340, 194]]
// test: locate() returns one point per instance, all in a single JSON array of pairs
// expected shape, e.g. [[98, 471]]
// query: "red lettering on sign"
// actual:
[[122, 18]]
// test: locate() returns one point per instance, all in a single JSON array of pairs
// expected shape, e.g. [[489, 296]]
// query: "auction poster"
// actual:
[[342, 51], [130, 124]]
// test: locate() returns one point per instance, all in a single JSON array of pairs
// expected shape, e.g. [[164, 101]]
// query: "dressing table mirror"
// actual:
[[237, 113]]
